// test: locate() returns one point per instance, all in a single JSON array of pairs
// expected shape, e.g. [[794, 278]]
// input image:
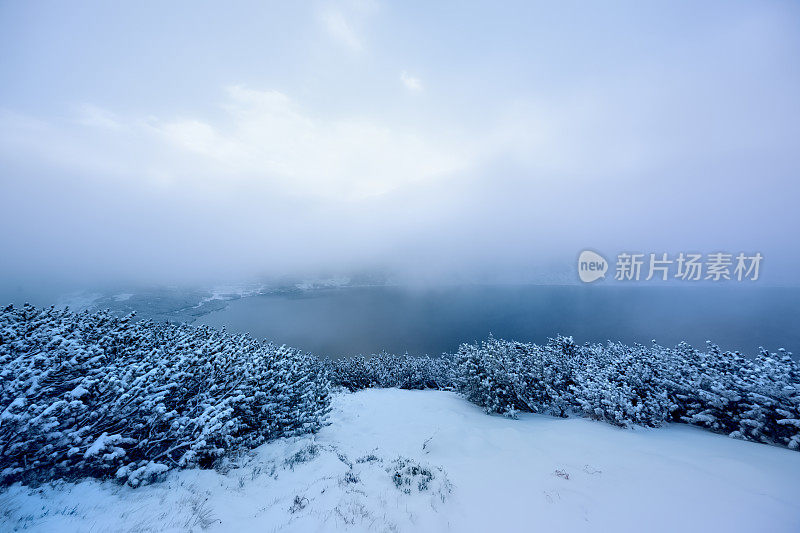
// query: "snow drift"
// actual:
[[397, 460]]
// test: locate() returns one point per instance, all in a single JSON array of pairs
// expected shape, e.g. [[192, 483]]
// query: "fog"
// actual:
[[188, 143]]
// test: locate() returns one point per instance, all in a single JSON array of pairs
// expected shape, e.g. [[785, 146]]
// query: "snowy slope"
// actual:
[[458, 470]]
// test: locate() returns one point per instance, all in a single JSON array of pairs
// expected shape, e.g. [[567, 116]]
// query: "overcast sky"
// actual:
[[186, 141]]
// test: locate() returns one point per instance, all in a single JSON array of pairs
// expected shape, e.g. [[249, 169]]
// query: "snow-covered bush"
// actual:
[[619, 384], [754, 399], [91, 394], [506, 377], [385, 370]]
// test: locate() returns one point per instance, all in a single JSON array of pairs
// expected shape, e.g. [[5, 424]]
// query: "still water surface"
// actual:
[[368, 319]]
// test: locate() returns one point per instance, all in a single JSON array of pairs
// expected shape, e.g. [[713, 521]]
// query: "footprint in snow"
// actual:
[[562, 474], [589, 469]]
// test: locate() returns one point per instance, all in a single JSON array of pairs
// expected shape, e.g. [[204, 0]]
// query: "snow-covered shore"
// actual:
[[397, 460]]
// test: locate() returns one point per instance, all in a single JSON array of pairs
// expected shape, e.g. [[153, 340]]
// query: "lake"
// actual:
[[364, 320]]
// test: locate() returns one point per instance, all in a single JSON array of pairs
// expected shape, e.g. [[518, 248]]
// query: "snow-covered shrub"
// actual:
[[611, 383], [385, 370], [91, 394], [506, 377], [619, 384], [754, 399], [410, 476]]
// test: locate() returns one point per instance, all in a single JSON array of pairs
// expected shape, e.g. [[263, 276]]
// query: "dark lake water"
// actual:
[[366, 320]]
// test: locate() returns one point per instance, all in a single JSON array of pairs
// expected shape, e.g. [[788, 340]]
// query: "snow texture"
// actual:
[[417, 461]]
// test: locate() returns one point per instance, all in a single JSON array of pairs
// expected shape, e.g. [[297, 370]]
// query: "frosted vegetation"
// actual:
[[94, 395], [91, 394], [754, 399]]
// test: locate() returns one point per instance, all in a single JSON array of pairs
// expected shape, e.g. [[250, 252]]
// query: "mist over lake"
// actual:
[[364, 320]]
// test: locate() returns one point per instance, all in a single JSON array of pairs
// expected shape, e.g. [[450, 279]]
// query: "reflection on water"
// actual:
[[365, 320]]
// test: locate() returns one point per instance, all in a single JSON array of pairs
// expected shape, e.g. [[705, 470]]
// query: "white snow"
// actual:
[[78, 392], [78, 301], [101, 444], [232, 292], [328, 283], [488, 474], [123, 297]]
